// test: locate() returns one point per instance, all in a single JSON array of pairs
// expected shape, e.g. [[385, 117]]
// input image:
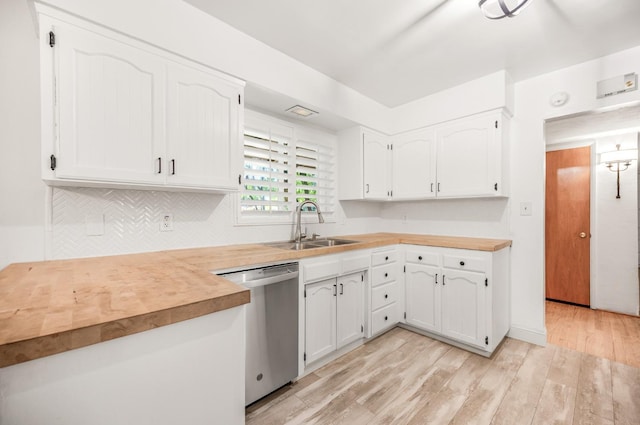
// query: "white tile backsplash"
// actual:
[[132, 221]]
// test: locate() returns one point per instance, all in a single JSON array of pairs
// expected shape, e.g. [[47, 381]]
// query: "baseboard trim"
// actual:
[[528, 335]]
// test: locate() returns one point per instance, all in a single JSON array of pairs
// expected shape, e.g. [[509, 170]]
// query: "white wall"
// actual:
[[527, 172], [616, 274], [22, 193]]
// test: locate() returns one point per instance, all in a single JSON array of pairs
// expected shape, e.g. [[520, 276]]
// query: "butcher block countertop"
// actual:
[[49, 307]]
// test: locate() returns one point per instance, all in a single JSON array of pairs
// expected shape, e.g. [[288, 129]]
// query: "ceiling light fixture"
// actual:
[[618, 160], [498, 9], [301, 111]]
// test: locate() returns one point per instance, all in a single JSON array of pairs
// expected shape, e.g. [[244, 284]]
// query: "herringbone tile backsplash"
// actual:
[[132, 219]]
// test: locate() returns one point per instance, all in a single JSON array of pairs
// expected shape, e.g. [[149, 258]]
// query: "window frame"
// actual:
[[301, 136]]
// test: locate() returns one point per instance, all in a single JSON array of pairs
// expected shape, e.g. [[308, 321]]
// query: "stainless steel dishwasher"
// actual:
[[272, 327]]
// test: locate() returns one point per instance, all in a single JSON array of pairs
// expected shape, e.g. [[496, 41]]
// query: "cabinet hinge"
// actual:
[[486, 340], [495, 187], [239, 101], [53, 162], [486, 282], [305, 357], [52, 38], [496, 123]]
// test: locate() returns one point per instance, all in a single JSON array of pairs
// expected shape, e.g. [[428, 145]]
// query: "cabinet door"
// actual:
[[463, 307], [203, 123], [320, 320], [110, 99], [414, 165], [422, 286], [376, 166], [468, 157], [350, 315]]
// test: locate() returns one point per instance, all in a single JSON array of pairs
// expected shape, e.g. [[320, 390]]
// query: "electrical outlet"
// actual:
[[166, 222]]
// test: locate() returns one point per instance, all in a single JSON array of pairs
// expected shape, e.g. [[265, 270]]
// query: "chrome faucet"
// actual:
[[299, 235]]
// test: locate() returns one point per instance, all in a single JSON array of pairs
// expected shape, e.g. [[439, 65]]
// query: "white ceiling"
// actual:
[[398, 51]]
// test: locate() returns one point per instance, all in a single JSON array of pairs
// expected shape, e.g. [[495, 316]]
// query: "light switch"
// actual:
[[525, 208]]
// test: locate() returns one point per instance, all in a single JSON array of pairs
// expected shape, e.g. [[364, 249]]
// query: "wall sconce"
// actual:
[[618, 160]]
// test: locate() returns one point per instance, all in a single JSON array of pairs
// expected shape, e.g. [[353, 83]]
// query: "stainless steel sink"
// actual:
[[310, 244]]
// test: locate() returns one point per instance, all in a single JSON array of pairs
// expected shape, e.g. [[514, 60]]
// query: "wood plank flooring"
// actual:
[[406, 378], [600, 333]]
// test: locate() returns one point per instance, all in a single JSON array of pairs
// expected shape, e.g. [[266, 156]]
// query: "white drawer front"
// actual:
[[321, 270], [384, 274], [465, 262], [421, 257], [384, 257], [384, 295], [384, 318], [355, 264]]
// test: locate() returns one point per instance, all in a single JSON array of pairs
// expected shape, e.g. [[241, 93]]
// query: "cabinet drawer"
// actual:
[[383, 274], [355, 264], [384, 257], [384, 318], [320, 270], [384, 295], [421, 257], [465, 262]]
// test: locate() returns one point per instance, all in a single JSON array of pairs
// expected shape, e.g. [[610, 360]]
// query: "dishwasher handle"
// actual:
[[255, 283]]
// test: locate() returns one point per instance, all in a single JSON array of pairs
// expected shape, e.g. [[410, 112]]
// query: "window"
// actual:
[[284, 165]]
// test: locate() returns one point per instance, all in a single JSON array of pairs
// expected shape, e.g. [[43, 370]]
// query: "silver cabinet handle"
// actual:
[[438, 186], [159, 165], [173, 167], [367, 188], [341, 289], [436, 278], [431, 187], [335, 290]]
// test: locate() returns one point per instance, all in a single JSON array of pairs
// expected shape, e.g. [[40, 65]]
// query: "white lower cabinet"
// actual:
[[462, 295], [334, 314], [422, 286], [385, 290], [462, 305], [333, 302]]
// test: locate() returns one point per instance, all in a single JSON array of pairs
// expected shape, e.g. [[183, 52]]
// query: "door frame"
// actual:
[[593, 241]]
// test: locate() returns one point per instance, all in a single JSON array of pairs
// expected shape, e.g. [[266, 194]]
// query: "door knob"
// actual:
[[583, 235]]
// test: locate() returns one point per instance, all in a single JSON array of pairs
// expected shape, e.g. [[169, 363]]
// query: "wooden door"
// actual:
[[567, 218]]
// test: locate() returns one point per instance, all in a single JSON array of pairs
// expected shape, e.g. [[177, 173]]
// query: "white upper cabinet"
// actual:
[[470, 157], [414, 165], [110, 109], [464, 158], [376, 151], [202, 119], [117, 112]]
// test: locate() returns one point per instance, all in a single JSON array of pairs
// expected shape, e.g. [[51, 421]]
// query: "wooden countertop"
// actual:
[[50, 307]]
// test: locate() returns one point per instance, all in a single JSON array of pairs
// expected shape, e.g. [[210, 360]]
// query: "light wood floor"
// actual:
[[406, 378], [603, 334]]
